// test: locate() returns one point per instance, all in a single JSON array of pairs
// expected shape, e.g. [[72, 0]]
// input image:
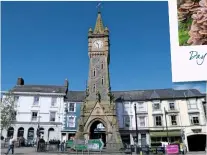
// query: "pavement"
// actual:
[[32, 151]]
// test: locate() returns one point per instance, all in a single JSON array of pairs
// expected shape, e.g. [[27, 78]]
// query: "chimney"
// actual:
[[66, 84], [20, 81]]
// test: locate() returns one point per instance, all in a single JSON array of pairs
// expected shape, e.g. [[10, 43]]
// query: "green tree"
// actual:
[[8, 112]]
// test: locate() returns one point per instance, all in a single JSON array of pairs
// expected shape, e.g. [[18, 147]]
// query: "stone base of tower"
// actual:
[[94, 113]]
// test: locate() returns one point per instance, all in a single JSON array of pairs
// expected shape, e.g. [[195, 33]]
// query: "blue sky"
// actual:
[[46, 42]]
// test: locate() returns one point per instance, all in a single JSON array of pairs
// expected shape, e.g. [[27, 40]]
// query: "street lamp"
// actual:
[[135, 110], [166, 124], [38, 133]]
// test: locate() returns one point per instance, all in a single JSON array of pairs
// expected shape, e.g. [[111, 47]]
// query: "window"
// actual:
[[52, 116], [142, 121], [194, 119], [36, 100], [16, 99], [94, 72], [127, 121], [141, 107], [13, 116], [102, 65], [71, 121], [173, 119], [126, 108], [172, 106], [34, 116], [192, 104], [94, 88], [53, 101], [156, 106], [102, 81], [71, 107], [158, 120]]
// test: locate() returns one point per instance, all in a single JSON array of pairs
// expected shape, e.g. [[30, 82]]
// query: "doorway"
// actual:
[[196, 142], [97, 131]]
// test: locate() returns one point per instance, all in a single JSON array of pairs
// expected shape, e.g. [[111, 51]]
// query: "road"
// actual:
[[32, 151]]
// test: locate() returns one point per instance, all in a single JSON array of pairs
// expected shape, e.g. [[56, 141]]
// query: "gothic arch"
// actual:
[[96, 120]]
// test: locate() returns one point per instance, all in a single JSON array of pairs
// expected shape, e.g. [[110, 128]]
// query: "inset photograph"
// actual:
[[192, 22]]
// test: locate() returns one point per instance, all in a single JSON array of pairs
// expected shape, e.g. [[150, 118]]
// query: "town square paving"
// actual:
[[32, 151]]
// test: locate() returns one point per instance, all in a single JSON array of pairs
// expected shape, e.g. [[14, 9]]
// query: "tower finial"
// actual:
[[99, 7], [99, 27]]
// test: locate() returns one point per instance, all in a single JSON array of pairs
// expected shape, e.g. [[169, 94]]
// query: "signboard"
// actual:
[[188, 48], [95, 144], [157, 150], [80, 144], [69, 143], [172, 149]]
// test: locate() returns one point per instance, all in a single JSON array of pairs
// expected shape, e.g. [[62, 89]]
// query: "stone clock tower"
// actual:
[[99, 105]]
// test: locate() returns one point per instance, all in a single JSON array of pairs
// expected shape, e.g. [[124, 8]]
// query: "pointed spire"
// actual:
[[99, 28]]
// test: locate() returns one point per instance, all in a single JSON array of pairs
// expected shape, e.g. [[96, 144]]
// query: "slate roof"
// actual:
[[133, 95], [39, 88], [140, 95]]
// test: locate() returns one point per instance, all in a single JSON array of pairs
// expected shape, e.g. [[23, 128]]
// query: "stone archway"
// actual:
[[10, 132], [30, 134], [98, 130], [20, 132], [51, 132], [196, 142]]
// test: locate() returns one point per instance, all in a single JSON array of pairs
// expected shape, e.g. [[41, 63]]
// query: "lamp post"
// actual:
[[135, 110], [38, 133], [166, 124]]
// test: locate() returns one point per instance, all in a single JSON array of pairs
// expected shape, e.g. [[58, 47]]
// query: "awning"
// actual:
[[164, 134]]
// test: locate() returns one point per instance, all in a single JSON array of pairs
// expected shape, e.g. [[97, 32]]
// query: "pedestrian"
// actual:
[[11, 145], [63, 145], [58, 144]]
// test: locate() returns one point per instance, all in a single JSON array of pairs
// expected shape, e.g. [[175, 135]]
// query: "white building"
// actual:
[[185, 115], [41, 105]]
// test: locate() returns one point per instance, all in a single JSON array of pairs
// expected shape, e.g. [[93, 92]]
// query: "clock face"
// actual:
[[98, 44]]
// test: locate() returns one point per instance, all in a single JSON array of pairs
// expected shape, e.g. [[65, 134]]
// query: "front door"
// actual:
[[143, 140]]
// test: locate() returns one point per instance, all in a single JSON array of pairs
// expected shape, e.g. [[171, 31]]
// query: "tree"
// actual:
[[8, 112]]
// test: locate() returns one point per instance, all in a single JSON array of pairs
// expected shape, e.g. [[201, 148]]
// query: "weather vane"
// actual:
[[99, 6]]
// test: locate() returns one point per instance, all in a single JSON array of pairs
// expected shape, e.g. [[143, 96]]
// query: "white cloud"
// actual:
[[200, 87]]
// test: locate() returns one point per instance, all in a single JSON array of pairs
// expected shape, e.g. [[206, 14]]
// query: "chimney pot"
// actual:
[[20, 81]]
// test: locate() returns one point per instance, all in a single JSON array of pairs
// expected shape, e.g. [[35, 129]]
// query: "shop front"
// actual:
[[161, 136]]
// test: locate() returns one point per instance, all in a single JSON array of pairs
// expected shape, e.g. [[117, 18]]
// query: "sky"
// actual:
[[46, 42], [199, 85]]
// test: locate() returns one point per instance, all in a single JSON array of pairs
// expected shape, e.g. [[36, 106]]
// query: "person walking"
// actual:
[[63, 146], [11, 145]]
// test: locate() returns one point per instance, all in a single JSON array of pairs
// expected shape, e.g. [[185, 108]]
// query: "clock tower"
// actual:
[[99, 55], [99, 106]]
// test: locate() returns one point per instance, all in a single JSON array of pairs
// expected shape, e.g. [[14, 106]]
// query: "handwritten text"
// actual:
[[198, 57]]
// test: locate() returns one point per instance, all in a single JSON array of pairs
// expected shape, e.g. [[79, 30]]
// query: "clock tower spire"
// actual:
[[98, 51]]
